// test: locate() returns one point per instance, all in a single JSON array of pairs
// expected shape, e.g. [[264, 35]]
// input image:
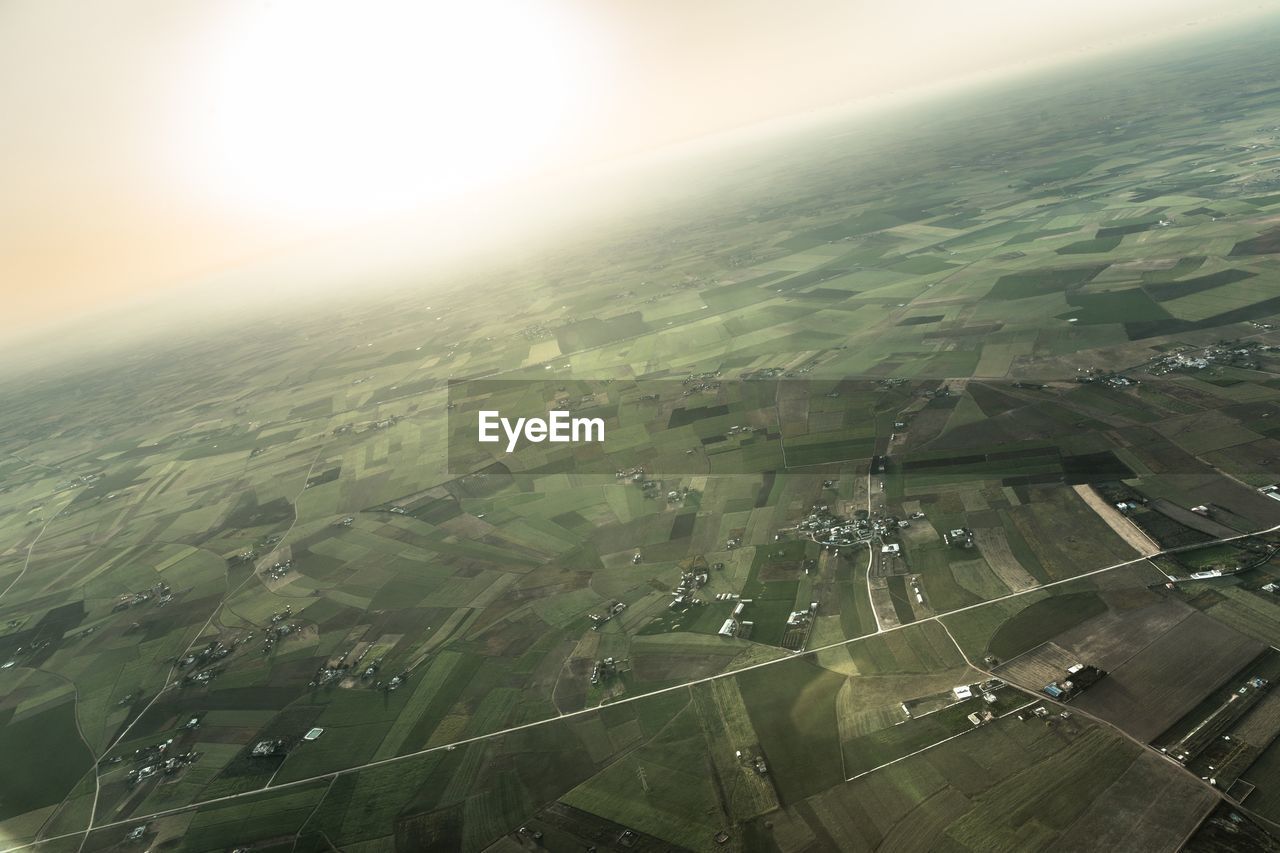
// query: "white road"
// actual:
[[328, 777]]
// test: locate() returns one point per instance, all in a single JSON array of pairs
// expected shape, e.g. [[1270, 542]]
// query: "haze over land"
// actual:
[[157, 144]]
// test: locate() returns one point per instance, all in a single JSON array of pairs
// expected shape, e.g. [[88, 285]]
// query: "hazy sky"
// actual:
[[145, 142]]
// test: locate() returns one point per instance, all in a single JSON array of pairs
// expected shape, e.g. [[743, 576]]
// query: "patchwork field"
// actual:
[[904, 413]]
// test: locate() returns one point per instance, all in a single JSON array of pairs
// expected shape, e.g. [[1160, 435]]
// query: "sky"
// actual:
[[148, 143]]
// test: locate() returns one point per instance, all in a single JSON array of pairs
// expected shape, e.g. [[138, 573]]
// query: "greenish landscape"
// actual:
[[937, 510]]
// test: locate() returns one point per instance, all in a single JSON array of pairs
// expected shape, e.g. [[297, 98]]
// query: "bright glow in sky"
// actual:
[[148, 143], [325, 111]]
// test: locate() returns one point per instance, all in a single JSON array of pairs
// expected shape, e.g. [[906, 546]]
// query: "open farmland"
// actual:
[[1141, 696], [894, 405], [1141, 693], [1013, 784]]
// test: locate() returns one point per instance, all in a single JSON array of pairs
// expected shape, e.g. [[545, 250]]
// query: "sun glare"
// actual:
[[332, 112]]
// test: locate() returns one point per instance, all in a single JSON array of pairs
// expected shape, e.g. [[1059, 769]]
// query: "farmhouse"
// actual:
[[1079, 677], [267, 748]]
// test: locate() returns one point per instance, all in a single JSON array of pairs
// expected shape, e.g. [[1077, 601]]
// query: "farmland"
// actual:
[[940, 399]]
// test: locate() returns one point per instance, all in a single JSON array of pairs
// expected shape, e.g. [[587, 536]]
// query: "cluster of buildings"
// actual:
[[536, 332], [1242, 354], [278, 569], [651, 488], [604, 670], [699, 386], [763, 373], [983, 715], [735, 625], [957, 695], [340, 668], [385, 423], [212, 652], [831, 530], [156, 760], [1180, 360], [985, 689], [76, 482], [684, 594], [755, 762], [1109, 378], [1079, 677], [695, 378], [201, 678], [160, 592], [280, 628], [916, 590], [614, 608], [1042, 712], [268, 748], [802, 617], [568, 404]]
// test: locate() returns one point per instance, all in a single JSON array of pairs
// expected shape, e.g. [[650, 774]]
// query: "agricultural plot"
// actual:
[[1139, 648], [1139, 696], [1011, 784]]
